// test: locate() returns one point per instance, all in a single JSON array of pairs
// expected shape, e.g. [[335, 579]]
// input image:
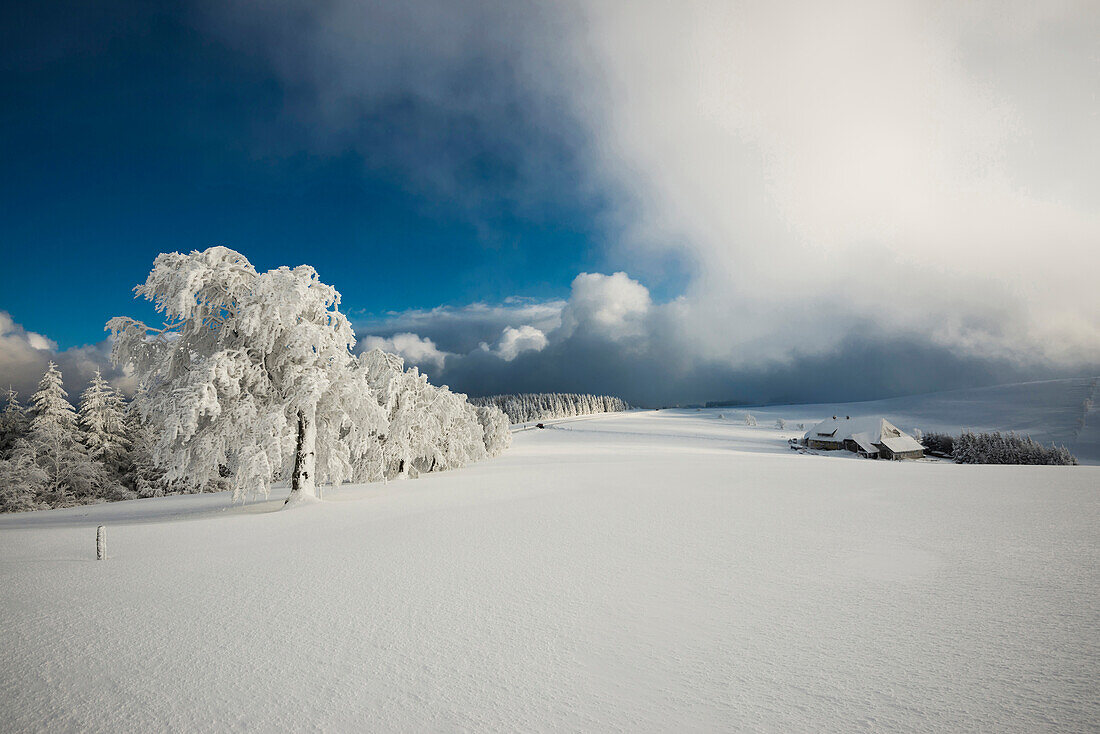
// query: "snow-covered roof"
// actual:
[[902, 443], [865, 443], [866, 432]]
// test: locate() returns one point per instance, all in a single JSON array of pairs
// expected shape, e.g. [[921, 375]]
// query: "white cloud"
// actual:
[[827, 165], [25, 354], [461, 329], [413, 348], [827, 171], [613, 306], [514, 342]]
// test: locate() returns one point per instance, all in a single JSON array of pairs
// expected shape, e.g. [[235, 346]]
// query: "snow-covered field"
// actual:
[[646, 571]]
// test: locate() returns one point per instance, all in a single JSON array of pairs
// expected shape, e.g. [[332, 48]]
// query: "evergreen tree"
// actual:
[[21, 480], [13, 423], [103, 419], [142, 475], [998, 448], [528, 407], [54, 445]]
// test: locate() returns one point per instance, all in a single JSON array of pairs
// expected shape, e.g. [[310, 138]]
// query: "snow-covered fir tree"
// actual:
[[1007, 448], [526, 407], [21, 480], [142, 474], [103, 420], [54, 445], [13, 423]]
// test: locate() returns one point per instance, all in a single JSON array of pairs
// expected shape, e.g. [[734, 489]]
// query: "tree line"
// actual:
[[996, 448], [54, 455], [526, 407], [251, 380]]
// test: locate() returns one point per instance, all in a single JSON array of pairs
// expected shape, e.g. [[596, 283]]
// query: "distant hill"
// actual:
[[1063, 411]]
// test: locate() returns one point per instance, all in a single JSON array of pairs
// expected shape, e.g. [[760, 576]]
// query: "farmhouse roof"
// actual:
[[865, 443], [866, 432]]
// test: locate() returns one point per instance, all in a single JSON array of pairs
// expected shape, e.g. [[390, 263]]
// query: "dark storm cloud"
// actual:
[[858, 369], [448, 94], [609, 337], [871, 198], [833, 175]]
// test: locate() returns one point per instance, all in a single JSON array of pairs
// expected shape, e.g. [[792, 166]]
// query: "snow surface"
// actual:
[[643, 571]]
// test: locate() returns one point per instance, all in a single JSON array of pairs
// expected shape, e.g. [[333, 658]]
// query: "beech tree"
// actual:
[[494, 426], [251, 374]]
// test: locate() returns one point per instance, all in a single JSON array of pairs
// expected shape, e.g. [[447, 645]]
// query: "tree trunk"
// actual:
[[303, 483]]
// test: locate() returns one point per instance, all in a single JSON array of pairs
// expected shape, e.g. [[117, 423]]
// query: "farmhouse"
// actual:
[[874, 437]]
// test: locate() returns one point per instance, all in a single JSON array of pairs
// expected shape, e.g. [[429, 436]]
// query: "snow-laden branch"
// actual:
[[252, 377]]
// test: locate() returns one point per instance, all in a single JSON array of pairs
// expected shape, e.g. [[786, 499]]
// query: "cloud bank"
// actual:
[[869, 198], [875, 185], [859, 167], [612, 338]]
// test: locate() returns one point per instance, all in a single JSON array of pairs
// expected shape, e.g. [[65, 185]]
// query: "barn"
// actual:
[[873, 437]]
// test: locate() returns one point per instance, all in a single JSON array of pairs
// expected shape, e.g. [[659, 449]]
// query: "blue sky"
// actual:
[[805, 202], [130, 132]]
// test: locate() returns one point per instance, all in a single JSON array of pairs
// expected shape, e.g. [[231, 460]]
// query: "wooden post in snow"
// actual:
[[100, 543]]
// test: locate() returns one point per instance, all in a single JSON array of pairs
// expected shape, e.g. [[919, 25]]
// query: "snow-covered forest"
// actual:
[[526, 407], [251, 380], [996, 448]]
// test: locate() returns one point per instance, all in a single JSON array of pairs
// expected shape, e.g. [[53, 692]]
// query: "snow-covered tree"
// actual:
[[527, 407], [407, 434], [424, 428], [750, 419], [13, 423], [781, 424], [494, 426], [461, 436], [998, 448], [251, 375], [142, 475], [54, 444], [103, 419], [21, 480]]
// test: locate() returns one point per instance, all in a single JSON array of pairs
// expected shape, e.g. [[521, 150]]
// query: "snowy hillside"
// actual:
[[1066, 412], [643, 571]]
